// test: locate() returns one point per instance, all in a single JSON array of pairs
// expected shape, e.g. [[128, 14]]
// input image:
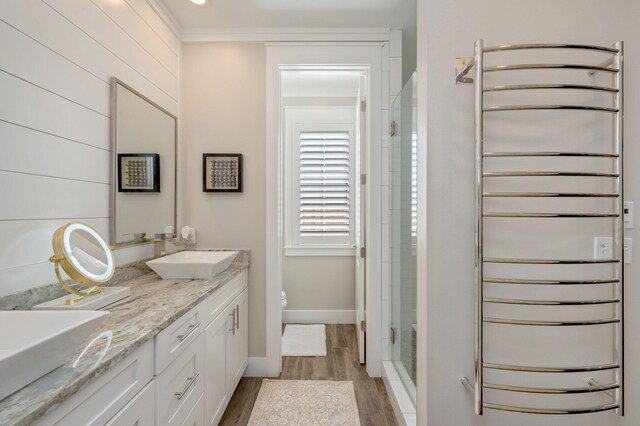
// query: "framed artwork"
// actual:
[[222, 172], [138, 173]]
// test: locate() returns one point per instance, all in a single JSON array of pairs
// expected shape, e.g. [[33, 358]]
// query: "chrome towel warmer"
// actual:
[[472, 71]]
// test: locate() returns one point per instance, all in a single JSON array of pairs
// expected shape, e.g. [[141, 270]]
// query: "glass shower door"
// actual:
[[403, 221]]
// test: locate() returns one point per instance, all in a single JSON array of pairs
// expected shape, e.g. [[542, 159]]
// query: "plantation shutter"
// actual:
[[324, 184]]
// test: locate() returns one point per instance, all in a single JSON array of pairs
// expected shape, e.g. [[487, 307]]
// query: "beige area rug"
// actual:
[[305, 402]]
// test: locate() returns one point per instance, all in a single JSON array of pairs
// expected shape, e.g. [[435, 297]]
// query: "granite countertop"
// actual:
[[153, 305]]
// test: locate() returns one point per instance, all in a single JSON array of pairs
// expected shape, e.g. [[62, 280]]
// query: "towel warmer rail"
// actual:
[[472, 71]]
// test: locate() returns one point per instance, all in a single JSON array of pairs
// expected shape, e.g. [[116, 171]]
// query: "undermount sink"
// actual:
[[34, 343], [192, 264]]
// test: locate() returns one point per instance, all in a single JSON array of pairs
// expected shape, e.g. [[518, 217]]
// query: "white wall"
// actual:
[[224, 110], [56, 61], [319, 283], [446, 228]]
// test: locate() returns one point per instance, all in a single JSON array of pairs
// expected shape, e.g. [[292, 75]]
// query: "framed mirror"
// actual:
[[143, 180]]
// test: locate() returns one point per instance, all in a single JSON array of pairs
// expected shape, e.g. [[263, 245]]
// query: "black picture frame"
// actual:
[[139, 172], [221, 172]]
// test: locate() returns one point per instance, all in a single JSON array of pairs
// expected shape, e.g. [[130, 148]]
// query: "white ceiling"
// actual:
[[292, 13], [311, 84]]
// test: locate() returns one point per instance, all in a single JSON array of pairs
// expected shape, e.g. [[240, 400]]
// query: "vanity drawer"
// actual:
[[196, 416], [137, 412], [170, 342], [218, 301], [180, 385]]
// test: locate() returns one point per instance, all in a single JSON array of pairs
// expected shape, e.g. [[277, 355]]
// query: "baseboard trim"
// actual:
[[403, 407], [258, 367], [318, 317]]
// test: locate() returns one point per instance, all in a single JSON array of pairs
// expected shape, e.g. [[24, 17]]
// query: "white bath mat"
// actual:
[[304, 340], [305, 402]]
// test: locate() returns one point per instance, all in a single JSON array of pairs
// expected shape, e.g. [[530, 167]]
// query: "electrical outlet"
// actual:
[[602, 248], [628, 250]]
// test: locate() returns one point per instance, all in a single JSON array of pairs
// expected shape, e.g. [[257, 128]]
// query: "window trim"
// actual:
[[322, 119], [330, 251]]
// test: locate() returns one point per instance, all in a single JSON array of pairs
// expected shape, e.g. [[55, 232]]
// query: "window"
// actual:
[[324, 184], [319, 179]]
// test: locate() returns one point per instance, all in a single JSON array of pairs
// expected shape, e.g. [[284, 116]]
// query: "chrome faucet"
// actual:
[[160, 243], [138, 236]]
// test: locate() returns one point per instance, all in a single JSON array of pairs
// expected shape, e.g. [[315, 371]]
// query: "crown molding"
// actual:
[[195, 35], [268, 34], [167, 17]]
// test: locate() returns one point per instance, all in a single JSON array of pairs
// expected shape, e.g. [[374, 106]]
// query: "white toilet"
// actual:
[[284, 300]]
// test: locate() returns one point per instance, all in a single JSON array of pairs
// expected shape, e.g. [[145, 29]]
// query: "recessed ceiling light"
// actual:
[[199, 2]]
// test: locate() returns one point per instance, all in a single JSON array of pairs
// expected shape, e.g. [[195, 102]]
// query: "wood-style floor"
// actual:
[[341, 363]]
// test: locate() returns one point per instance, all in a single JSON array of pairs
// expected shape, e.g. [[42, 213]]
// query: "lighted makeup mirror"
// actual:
[[87, 259]]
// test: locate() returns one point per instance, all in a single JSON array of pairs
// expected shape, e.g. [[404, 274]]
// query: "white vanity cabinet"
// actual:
[[110, 395], [185, 376], [226, 344], [137, 411], [214, 356], [215, 382], [196, 416], [237, 341]]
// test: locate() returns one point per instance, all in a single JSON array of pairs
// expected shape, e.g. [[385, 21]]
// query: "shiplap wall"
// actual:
[[56, 61]]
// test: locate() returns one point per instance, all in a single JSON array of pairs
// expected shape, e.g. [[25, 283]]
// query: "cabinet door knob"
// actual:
[[236, 317]]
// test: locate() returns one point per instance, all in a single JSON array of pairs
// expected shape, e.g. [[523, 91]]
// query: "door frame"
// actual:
[[362, 143], [314, 54]]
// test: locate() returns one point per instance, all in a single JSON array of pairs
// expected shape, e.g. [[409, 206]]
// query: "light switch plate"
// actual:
[[602, 248], [627, 216]]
